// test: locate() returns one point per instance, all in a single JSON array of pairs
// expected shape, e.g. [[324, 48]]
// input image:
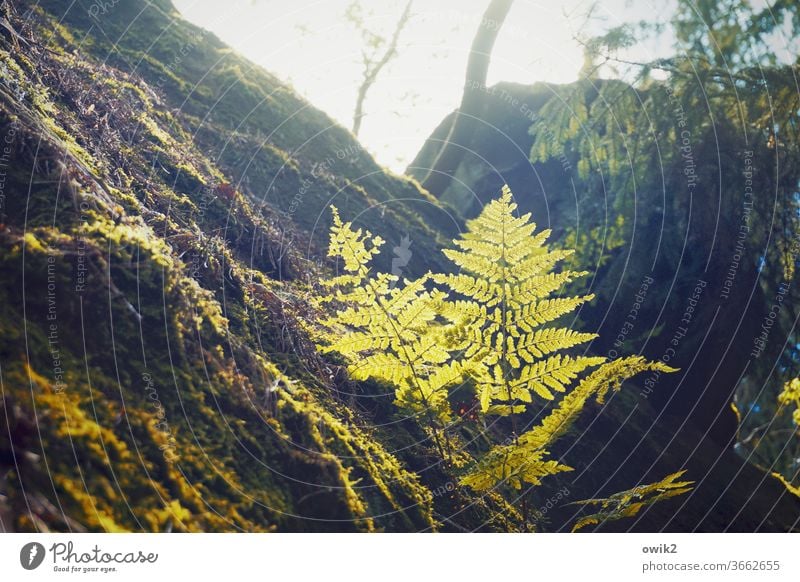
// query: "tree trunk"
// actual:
[[472, 100]]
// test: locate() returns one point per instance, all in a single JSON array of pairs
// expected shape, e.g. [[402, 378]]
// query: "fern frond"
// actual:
[[540, 286], [538, 263], [381, 366], [406, 294], [356, 342], [359, 316], [505, 409], [351, 245], [548, 340], [389, 332], [526, 460], [483, 290], [514, 466], [505, 279], [415, 314], [554, 373], [628, 503], [444, 376], [496, 315], [790, 396], [427, 350], [609, 376], [529, 316]]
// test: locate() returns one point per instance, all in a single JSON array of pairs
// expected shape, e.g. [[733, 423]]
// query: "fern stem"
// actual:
[[504, 312], [524, 503], [409, 361]]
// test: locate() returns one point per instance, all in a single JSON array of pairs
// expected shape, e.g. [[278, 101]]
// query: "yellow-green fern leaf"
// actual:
[[554, 373], [628, 503], [548, 340]]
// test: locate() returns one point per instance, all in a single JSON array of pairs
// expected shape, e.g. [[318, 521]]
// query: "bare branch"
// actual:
[[373, 67]]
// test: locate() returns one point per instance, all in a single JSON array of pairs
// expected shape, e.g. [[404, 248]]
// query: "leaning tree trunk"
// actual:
[[472, 100]]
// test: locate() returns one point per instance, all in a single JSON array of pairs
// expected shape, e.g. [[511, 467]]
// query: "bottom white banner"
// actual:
[[353, 557]]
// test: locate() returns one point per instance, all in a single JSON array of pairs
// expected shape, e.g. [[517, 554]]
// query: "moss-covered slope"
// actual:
[[163, 201]]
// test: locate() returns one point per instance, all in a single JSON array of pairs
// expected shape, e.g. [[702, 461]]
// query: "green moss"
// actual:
[[190, 398]]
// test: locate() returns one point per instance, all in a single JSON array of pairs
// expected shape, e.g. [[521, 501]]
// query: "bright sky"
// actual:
[[311, 45]]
